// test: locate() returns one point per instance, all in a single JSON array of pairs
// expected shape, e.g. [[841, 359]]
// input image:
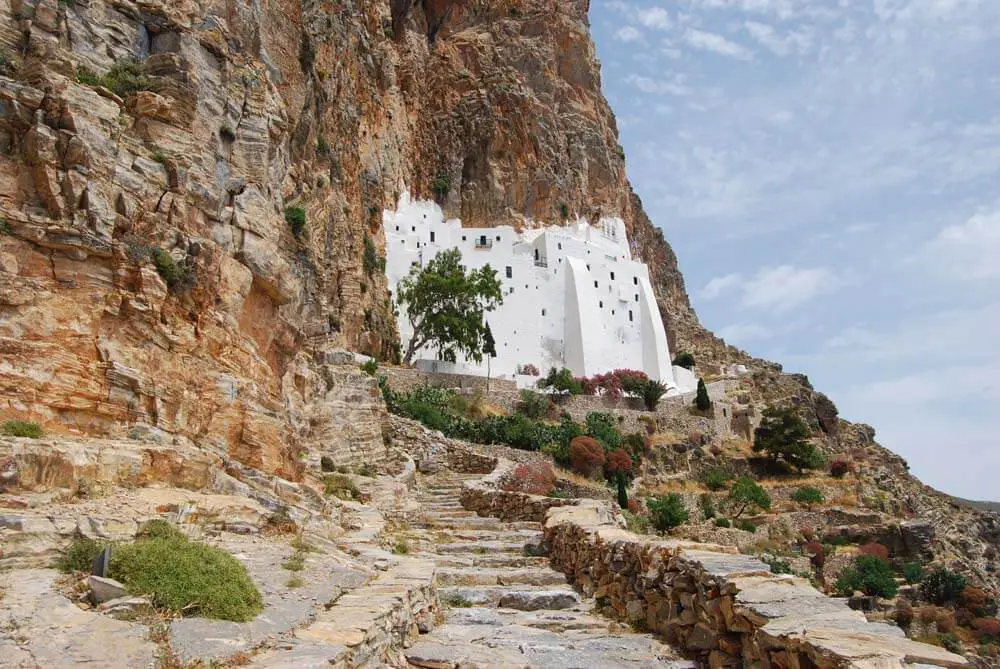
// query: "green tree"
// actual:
[[490, 350], [782, 434], [871, 575], [701, 398], [667, 512], [942, 586], [808, 495], [747, 493], [684, 359], [445, 305], [651, 391]]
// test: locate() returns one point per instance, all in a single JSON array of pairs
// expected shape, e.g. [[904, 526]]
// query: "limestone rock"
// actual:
[[105, 589]]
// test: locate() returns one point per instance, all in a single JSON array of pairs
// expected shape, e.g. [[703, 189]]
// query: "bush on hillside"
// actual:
[[667, 512], [875, 550], [586, 456], [534, 405], [535, 478], [808, 495], [651, 392], [604, 428], [722, 522], [913, 572], [296, 219], [22, 428], [782, 435], [869, 574], [684, 359], [562, 381], [747, 494], [840, 468], [942, 586], [79, 555], [186, 577], [716, 479]]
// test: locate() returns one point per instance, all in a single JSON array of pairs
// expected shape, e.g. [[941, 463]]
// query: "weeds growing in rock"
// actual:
[[178, 277], [723, 522], [296, 562], [294, 581], [296, 219], [370, 367], [401, 547], [341, 486], [302, 546], [456, 602], [716, 479], [125, 78], [79, 555], [4, 227], [22, 428]]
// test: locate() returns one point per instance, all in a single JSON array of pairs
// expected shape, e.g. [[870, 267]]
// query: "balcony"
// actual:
[[484, 243], [541, 262]]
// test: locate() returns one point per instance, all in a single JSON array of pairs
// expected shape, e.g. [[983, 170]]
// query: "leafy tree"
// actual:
[[445, 306], [490, 350], [871, 575], [747, 493], [782, 434], [913, 572], [701, 399], [684, 359], [561, 380], [716, 479], [942, 586], [667, 512]]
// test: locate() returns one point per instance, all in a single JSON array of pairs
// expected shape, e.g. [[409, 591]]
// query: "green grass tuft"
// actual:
[[79, 555], [297, 562], [22, 428]]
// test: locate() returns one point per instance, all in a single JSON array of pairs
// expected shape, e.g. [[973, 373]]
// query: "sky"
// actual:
[[828, 172]]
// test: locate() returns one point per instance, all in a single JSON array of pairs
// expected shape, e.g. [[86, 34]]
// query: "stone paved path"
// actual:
[[504, 608]]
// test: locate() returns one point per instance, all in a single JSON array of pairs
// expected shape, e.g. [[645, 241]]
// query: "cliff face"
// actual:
[[146, 141]]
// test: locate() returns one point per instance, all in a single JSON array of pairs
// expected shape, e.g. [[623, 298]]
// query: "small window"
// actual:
[[600, 305], [510, 272], [635, 280], [612, 274], [595, 284], [543, 312], [463, 238], [498, 237], [560, 246], [588, 267], [511, 290], [397, 228], [612, 312], [629, 315], [526, 286], [413, 228], [425, 216], [432, 239]]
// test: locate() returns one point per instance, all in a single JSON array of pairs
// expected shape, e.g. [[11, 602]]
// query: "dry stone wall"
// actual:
[[726, 609]]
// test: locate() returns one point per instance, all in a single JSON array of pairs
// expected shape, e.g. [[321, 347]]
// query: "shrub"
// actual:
[[942, 586], [723, 522], [869, 574], [227, 133], [839, 468], [561, 381], [528, 370], [401, 547], [978, 602], [816, 553], [586, 456], [442, 185], [875, 550], [747, 493], [636, 522], [904, 614], [913, 572], [322, 147], [782, 434], [651, 392], [296, 219], [186, 577], [808, 495], [808, 533], [951, 643], [716, 479], [4, 227], [22, 428], [125, 78], [745, 525], [667, 512], [79, 555], [684, 359], [535, 478], [307, 53], [707, 505], [564, 210], [604, 428], [988, 627], [341, 486], [702, 401], [777, 565], [618, 463], [370, 367], [370, 258], [534, 405], [179, 278]]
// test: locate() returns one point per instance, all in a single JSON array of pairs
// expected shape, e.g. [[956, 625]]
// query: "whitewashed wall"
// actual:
[[573, 296]]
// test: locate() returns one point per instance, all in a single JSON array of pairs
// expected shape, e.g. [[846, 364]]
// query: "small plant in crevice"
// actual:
[[442, 185], [179, 278], [322, 148], [4, 227], [371, 260], [227, 133], [126, 77], [160, 157], [564, 210], [22, 428], [296, 219], [370, 367]]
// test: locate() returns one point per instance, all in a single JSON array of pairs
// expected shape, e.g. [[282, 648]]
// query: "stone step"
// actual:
[[461, 534], [481, 547], [463, 596], [474, 522], [450, 514], [494, 576], [488, 561]]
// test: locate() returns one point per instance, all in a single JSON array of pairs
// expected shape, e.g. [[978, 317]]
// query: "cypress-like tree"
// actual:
[[701, 400], [489, 350]]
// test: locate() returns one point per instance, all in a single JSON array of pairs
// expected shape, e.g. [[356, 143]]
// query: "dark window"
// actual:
[[635, 280], [637, 297], [560, 246], [612, 274], [510, 272], [629, 315], [511, 290], [498, 237], [432, 239], [612, 312], [463, 238], [413, 228], [588, 267], [595, 284], [397, 228], [543, 312], [600, 305]]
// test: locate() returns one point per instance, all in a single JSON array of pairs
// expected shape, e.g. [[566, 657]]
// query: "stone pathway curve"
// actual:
[[503, 606]]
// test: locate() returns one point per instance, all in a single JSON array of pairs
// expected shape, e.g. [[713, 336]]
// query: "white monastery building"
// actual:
[[573, 296]]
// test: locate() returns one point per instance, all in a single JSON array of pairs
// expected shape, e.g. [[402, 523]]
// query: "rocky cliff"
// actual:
[[192, 193]]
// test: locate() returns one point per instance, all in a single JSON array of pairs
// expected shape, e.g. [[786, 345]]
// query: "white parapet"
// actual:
[[573, 295]]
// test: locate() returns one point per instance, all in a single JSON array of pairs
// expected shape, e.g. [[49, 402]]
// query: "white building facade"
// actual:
[[573, 296]]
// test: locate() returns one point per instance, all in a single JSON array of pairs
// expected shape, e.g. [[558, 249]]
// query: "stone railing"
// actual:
[[723, 608]]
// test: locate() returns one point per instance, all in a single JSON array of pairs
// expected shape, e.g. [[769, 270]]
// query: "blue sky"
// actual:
[[828, 172]]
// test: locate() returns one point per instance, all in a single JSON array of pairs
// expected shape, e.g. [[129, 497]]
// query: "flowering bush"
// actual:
[[875, 550], [528, 370], [535, 478], [988, 627], [618, 462], [840, 467], [814, 550], [586, 455]]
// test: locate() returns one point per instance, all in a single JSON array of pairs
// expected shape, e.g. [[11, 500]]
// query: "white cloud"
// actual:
[[658, 86], [719, 285], [774, 288], [794, 42], [707, 41], [654, 17], [969, 250], [740, 333], [628, 34], [785, 287]]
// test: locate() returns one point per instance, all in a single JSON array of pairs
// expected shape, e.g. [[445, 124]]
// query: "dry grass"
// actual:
[[573, 477], [676, 485]]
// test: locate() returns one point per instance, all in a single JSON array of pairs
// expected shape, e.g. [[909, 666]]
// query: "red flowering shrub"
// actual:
[[536, 478], [875, 550], [618, 462], [528, 370], [989, 627], [815, 552], [634, 506], [586, 456], [808, 533], [977, 601], [840, 467]]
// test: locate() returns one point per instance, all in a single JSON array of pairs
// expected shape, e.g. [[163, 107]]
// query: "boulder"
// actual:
[[105, 589]]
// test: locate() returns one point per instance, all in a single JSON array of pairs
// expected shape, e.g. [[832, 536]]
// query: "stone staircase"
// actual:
[[503, 605]]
